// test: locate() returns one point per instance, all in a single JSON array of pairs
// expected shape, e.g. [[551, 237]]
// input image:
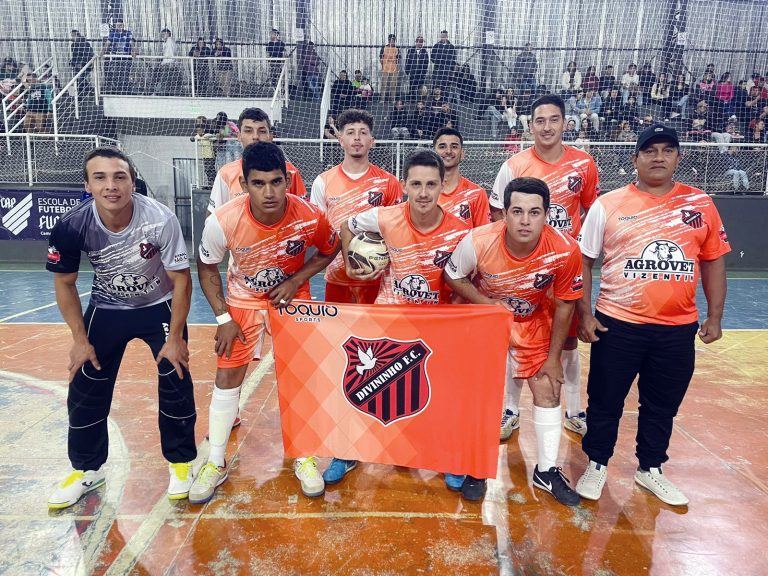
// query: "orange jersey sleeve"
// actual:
[[467, 201], [297, 183], [652, 247], [263, 256]]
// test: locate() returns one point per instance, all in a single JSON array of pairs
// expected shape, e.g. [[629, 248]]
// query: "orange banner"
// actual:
[[416, 386]]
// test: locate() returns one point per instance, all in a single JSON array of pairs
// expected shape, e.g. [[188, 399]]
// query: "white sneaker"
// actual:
[[205, 483], [590, 485], [72, 488], [312, 483], [181, 480], [577, 423], [509, 422], [655, 481]]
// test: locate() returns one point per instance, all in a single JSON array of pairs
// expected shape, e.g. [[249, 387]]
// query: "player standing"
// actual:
[[572, 178], [516, 262], [267, 234], [657, 237], [141, 289], [344, 191]]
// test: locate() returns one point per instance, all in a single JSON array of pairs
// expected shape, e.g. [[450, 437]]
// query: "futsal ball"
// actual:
[[368, 253]]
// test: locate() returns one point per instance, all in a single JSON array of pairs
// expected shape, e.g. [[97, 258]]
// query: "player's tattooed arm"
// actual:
[[468, 291], [213, 287]]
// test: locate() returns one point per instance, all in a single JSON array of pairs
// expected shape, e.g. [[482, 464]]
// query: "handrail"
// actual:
[[6, 102], [64, 91], [278, 87]]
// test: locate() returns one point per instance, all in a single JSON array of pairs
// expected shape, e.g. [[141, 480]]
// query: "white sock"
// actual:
[[513, 387], [548, 424], [222, 413], [572, 372]]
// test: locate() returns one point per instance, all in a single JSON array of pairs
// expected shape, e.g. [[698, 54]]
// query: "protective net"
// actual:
[[147, 73]]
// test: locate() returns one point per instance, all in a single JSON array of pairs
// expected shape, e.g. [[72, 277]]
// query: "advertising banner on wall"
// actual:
[[31, 214]]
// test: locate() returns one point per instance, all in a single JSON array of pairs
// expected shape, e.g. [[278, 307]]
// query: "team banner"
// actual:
[[416, 386], [31, 214]]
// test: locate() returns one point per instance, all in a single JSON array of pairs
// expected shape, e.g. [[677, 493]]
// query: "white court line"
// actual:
[[51, 305], [163, 510], [93, 538]]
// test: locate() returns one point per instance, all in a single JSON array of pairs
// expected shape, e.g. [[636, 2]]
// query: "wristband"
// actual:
[[223, 318]]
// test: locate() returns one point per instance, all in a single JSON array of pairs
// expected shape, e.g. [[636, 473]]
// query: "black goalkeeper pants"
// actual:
[[90, 392]]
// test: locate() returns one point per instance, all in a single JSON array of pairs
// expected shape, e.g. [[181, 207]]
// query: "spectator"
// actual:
[[570, 82], [494, 112], [752, 81], [9, 70], [81, 54], [570, 134], [467, 86], [164, 72], [589, 108], [630, 112], [342, 93], [389, 57], [757, 133], [571, 106], [37, 106], [607, 81], [590, 81], [420, 121], [525, 69], [437, 100], [205, 151], [660, 96], [223, 65], [625, 133], [201, 53], [509, 113], [423, 94], [647, 80], [705, 89], [612, 106], [524, 102], [750, 108], [227, 147], [275, 52], [417, 65], [587, 129], [309, 69], [725, 92], [121, 49], [514, 140], [443, 61], [736, 170], [630, 81], [700, 128], [330, 131], [399, 121], [445, 118], [360, 100], [679, 93]]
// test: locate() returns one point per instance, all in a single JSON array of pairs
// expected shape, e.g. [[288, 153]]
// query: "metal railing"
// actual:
[[72, 84], [13, 102]]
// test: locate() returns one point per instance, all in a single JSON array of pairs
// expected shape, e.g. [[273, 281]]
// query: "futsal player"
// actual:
[[141, 289], [254, 126], [345, 190], [267, 233], [657, 237], [516, 262], [572, 178], [460, 196]]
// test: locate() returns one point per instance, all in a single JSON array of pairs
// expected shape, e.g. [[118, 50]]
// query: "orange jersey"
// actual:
[[415, 271], [652, 247], [573, 184], [226, 185], [261, 256], [524, 283], [341, 197], [467, 201]]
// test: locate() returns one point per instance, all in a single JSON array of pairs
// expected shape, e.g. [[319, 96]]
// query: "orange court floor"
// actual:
[[380, 520]]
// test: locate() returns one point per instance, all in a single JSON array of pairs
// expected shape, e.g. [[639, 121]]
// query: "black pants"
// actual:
[[90, 392], [663, 357]]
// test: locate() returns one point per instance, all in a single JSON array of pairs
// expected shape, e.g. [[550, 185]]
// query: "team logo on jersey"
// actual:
[[660, 260], [692, 218], [132, 285], [723, 235], [578, 283], [53, 255], [441, 258], [387, 379], [147, 250], [575, 184], [521, 307], [333, 238], [295, 247], [375, 198], [541, 281], [464, 211], [265, 280], [204, 251], [415, 289], [559, 218]]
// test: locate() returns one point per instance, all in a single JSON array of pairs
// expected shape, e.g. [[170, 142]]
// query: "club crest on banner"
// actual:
[[387, 379]]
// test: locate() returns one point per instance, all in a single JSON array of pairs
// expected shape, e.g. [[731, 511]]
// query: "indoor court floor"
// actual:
[[380, 520]]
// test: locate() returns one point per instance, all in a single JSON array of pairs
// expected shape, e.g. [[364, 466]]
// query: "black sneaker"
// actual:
[[473, 488], [555, 482]]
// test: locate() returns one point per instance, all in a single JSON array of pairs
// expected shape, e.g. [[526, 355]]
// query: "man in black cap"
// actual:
[[417, 65], [657, 237]]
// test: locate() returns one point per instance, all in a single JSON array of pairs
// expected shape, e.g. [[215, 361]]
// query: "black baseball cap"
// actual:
[[656, 132]]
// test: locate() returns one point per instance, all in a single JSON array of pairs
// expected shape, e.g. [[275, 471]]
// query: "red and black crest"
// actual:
[[375, 198], [147, 251], [541, 281], [441, 258], [387, 379], [53, 255], [578, 283], [723, 235], [464, 211], [295, 247], [575, 183], [692, 218]]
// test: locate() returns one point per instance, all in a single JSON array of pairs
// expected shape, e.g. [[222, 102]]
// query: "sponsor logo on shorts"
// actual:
[[660, 260], [53, 255], [204, 251], [692, 218], [266, 279], [147, 250], [387, 379]]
